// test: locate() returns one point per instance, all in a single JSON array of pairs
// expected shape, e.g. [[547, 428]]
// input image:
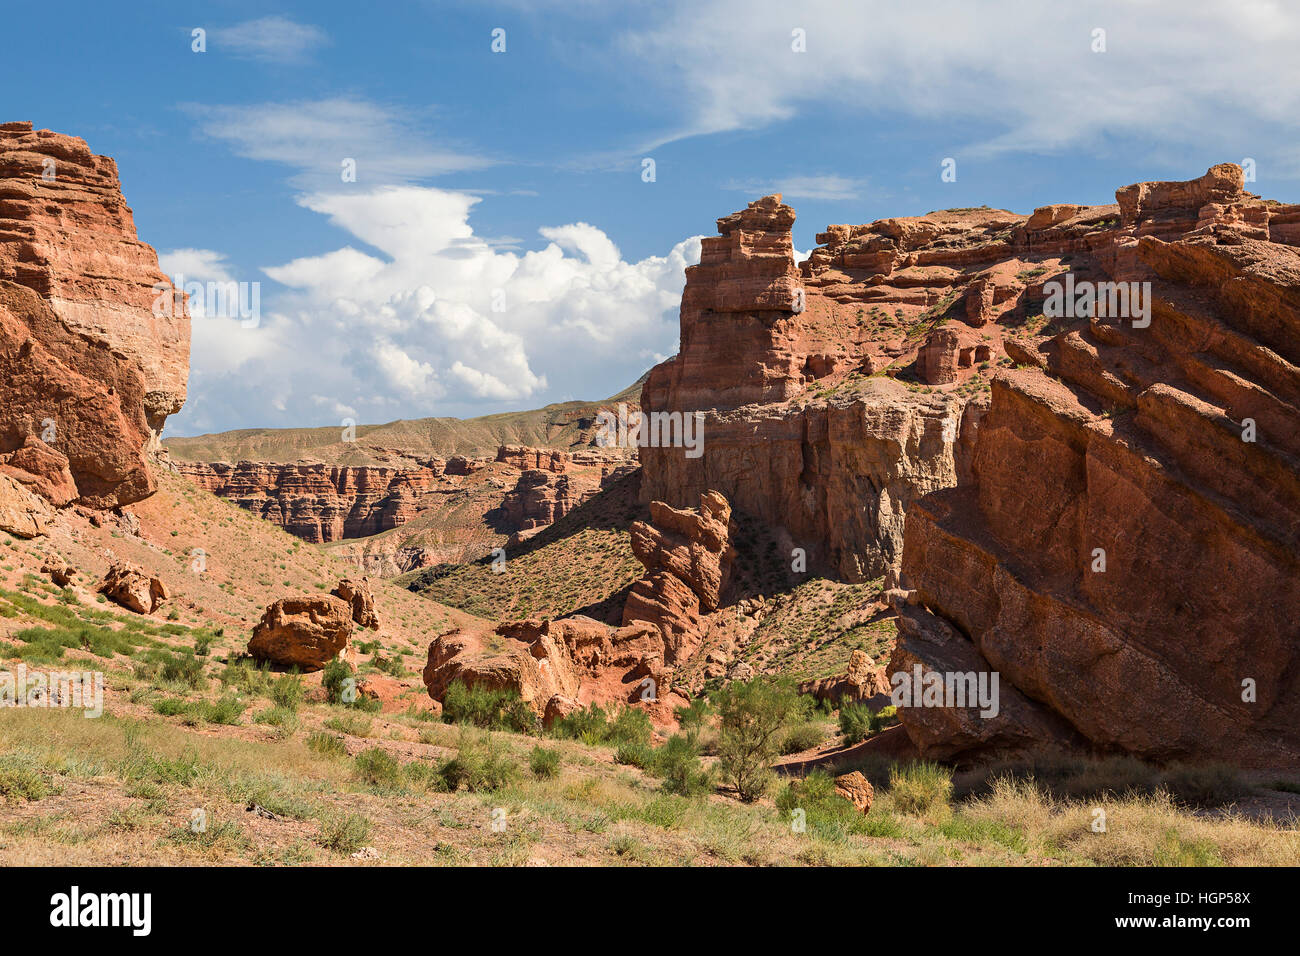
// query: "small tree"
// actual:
[[751, 715]]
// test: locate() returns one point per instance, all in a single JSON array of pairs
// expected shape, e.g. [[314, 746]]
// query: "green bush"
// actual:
[[634, 754], [378, 768], [327, 745], [480, 765], [344, 833], [751, 715], [630, 726], [855, 722], [334, 678], [287, 691], [487, 709], [678, 763], [588, 724], [920, 789], [544, 763], [802, 737]]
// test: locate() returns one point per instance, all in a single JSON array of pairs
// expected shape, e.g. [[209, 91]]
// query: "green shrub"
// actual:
[[165, 667], [247, 675], [802, 737], [344, 833], [630, 726], [678, 763], [920, 789], [287, 691], [751, 714], [357, 725], [480, 765], [327, 745], [634, 754], [378, 768], [855, 722], [587, 724], [335, 679], [487, 709], [544, 763], [21, 784]]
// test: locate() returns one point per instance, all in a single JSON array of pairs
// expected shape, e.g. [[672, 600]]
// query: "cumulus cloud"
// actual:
[[442, 322]]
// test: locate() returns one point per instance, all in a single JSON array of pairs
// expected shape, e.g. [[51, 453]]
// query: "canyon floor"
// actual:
[[284, 777]]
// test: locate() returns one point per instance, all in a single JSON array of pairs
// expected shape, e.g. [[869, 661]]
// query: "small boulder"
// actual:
[[856, 789], [134, 590], [60, 571], [303, 632]]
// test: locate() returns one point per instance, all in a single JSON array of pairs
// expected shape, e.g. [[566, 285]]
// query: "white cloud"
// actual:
[[273, 38], [1190, 71], [315, 137], [826, 186], [446, 323]]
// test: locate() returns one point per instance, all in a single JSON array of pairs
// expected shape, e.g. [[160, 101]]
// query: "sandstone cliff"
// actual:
[[1127, 557], [89, 367]]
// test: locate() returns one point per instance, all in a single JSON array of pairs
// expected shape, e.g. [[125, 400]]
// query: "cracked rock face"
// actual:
[[1127, 555], [92, 363]]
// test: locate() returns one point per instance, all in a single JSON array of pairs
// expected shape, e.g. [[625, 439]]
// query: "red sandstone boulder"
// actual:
[[60, 571], [862, 680], [303, 632], [133, 589], [856, 789], [22, 513]]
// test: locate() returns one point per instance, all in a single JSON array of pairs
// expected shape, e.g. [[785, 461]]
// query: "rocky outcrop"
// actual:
[[862, 680], [1127, 555], [360, 599], [687, 557], [94, 342], [134, 590], [302, 632], [805, 425], [322, 503], [559, 665]]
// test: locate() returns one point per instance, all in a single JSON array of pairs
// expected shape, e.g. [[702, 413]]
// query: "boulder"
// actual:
[[22, 514], [304, 632], [133, 589], [60, 571], [856, 789]]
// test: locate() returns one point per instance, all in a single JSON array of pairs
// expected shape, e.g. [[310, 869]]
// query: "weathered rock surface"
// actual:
[[360, 599], [303, 632], [89, 365], [862, 680], [687, 556], [856, 789], [1127, 557], [133, 589]]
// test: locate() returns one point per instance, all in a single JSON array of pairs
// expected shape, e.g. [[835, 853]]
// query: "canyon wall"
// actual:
[[92, 358], [1127, 555]]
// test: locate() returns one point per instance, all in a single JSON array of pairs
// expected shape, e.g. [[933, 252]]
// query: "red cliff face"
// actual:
[[89, 370], [521, 489], [1127, 556]]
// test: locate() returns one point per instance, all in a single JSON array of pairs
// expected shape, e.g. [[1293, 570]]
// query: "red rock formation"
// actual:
[[1127, 557], [303, 632], [90, 368], [133, 589], [687, 557], [862, 680], [533, 459], [361, 599], [540, 498]]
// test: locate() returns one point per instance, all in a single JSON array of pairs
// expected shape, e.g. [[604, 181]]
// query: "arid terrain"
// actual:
[[512, 641]]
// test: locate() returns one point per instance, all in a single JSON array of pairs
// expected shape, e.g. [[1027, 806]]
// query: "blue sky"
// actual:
[[500, 248]]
